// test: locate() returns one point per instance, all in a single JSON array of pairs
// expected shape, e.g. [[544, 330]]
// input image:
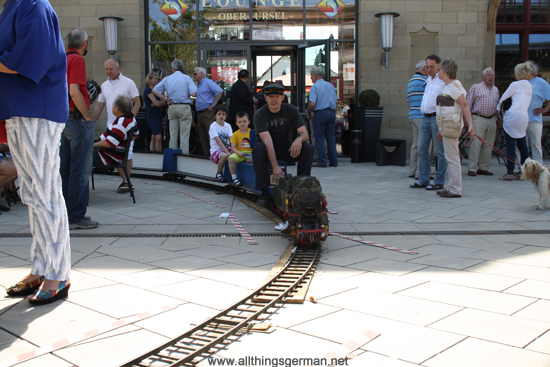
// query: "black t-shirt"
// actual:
[[282, 126]]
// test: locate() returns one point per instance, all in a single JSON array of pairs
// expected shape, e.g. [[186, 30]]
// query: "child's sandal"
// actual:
[[219, 177], [236, 182]]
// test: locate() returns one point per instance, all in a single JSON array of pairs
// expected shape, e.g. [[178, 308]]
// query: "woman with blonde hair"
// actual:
[[452, 109], [516, 118], [153, 112]]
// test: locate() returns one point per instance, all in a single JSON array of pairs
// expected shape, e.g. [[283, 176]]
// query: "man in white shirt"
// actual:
[[428, 130], [116, 85]]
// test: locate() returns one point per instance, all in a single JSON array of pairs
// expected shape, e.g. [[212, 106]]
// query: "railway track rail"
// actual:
[[215, 333]]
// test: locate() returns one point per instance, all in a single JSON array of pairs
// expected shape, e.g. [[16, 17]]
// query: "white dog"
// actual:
[[540, 177]]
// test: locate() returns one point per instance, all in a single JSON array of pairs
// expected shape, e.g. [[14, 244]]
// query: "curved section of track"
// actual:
[[214, 333]]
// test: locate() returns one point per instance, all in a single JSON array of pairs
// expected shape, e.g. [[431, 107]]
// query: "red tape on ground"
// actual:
[[373, 243], [201, 199], [241, 230]]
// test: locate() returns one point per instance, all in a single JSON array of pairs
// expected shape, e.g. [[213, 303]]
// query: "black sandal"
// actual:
[[416, 185], [434, 187]]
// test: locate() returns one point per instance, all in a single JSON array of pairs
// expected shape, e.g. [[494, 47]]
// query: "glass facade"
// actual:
[[522, 34], [225, 36]]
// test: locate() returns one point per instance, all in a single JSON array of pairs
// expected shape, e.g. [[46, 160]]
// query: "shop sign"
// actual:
[[259, 3], [330, 7], [174, 8], [272, 15]]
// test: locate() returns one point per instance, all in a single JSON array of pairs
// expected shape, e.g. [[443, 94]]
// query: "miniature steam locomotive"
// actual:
[[301, 201]]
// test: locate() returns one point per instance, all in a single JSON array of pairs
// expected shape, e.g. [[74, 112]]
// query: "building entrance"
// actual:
[[288, 65]]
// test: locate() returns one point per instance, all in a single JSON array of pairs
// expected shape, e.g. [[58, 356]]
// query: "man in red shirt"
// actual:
[[78, 136]]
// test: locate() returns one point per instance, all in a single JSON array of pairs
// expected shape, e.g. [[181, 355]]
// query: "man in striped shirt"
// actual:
[[482, 101], [415, 92], [115, 135]]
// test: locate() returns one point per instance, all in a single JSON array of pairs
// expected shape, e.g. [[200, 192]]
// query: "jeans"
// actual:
[[260, 160], [428, 131], [511, 151], [77, 142], [323, 126]]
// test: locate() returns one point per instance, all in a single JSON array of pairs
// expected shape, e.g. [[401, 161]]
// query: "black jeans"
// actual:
[[261, 162], [511, 151]]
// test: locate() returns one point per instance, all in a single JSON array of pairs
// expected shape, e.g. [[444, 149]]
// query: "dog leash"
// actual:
[[498, 151]]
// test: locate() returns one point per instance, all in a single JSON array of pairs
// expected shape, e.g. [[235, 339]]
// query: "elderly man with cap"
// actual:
[[280, 134]]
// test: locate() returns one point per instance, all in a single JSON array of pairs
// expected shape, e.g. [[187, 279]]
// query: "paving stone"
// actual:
[[531, 288], [510, 330], [481, 353], [397, 339], [465, 278], [121, 300], [114, 351], [390, 267], [392, 306], [539, 310], [469, 297], [542, 345]]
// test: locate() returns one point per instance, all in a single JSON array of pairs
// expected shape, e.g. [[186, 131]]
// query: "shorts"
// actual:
[[215, 157], [238, 158]]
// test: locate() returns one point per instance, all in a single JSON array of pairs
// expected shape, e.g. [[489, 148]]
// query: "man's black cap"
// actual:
[[274, 88]]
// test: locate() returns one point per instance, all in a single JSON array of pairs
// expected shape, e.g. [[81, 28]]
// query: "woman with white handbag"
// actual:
[[452, 109]]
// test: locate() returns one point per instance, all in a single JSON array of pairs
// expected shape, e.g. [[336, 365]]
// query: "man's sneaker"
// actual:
[[84, 223], [123, 188], [263, 200]]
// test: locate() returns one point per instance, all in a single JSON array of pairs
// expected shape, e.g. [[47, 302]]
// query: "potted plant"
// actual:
[[368, 118]]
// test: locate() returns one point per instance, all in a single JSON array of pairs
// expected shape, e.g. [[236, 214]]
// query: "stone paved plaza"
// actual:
[[470, 299]]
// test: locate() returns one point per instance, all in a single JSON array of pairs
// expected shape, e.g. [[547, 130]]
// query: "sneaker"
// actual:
[[84, 223], [448, 194], [263, 200], [123, 188]]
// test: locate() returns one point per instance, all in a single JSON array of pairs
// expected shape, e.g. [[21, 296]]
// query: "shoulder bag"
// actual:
[[450, 124]]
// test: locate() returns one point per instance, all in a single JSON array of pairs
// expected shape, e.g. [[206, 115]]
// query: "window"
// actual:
[[522, 33]]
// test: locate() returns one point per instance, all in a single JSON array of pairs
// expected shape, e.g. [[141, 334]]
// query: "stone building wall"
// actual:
[[456, 29], [131, 43]]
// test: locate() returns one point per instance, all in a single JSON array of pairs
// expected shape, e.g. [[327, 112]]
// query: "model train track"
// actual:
[[218, 331]]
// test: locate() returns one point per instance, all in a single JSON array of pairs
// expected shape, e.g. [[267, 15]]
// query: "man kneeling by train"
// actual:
[[115, 136], [280, 134]]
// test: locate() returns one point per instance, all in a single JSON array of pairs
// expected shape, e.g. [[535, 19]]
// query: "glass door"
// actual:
[[310, 55], [223, 63]]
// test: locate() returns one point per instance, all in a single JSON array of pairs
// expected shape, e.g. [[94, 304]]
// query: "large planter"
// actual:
[[369, 120]]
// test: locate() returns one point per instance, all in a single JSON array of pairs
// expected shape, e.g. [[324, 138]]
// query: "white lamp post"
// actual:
[[386, 34], [110, 24]]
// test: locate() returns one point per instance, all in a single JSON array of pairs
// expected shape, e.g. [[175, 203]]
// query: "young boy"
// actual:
[[115, 136], [220, 134], [240, 145]]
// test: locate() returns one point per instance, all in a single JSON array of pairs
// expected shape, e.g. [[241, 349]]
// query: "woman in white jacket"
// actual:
[[516, 119]]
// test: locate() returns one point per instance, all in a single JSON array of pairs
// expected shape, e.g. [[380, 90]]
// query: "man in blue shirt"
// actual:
[[34, 103], [179, 88], [208, 95], [415, 92], [322, 101], [541, 92]]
